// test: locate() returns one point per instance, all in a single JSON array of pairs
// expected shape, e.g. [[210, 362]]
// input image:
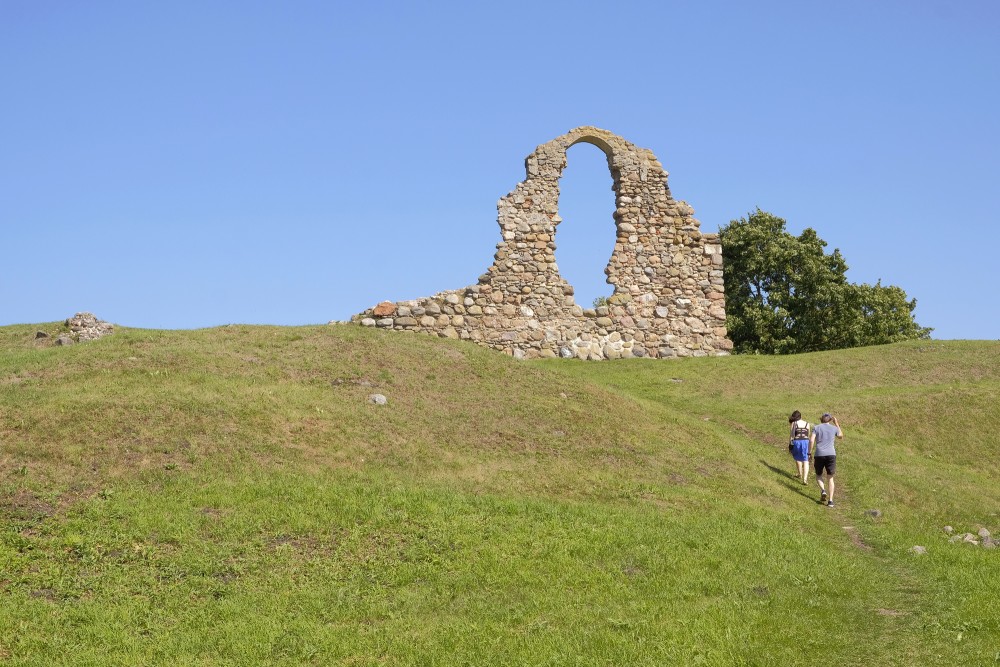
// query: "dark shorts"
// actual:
[[800, 450], [828, 463]]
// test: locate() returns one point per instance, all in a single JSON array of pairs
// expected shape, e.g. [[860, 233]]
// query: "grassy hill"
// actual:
[[230, 496]]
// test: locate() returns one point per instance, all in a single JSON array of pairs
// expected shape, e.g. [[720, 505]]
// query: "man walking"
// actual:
[[823, 436]]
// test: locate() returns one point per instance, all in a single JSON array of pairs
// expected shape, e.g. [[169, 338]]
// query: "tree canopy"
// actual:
[[785, 294]]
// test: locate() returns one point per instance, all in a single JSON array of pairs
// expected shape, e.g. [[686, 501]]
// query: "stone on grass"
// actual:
[[378, 399], [984, 533], [918, 550], [64, 339], [948, 530], [41, 334], [873, 513], [86, 326]]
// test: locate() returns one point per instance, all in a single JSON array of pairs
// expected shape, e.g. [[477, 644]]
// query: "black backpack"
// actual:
[[800, 432]]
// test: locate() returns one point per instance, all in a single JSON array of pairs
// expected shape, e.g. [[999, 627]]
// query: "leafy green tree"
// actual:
[[785, 294]]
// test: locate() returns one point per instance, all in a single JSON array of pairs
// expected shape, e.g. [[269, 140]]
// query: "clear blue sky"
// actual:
[[189, 164]]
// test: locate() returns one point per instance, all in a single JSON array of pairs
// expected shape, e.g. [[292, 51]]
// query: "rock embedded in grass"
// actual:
[[874, 513], [918, 550], [378, 399]]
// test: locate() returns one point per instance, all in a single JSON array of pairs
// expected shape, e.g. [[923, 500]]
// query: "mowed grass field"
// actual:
[[229, 496]]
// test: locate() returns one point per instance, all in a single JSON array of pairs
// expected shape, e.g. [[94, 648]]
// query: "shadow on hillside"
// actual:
[[791, 481]]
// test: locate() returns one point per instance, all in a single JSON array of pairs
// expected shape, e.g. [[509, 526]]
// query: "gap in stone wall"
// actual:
[[585, 239]]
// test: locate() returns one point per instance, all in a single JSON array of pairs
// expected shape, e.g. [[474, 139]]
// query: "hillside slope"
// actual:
[[230, 496]]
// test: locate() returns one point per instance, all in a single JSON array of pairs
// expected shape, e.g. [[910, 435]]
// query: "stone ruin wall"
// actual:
[[668, 298]]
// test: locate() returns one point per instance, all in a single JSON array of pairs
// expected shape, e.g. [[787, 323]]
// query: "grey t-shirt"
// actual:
[[825, 435]]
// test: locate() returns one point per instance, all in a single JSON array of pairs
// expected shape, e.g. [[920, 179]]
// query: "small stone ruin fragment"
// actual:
[[84, 327]]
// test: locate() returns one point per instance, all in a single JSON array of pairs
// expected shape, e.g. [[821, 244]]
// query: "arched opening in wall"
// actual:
[[585, 239]]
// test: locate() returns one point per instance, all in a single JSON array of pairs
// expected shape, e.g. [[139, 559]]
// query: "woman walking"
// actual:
[[798, 444]]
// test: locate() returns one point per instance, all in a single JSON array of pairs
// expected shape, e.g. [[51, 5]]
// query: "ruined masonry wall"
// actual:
[[668, 298]]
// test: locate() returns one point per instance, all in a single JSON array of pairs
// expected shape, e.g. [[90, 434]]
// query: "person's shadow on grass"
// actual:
[[789, 479]]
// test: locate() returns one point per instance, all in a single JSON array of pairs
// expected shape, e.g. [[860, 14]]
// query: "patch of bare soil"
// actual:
[[307, 545], [856, 539], [25, 506], [894, 613], [769, 438]]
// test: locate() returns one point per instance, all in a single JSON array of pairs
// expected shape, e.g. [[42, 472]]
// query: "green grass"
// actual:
[[229, 497]]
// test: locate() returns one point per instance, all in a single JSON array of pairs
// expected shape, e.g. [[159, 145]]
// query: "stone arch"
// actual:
[[668, 295], [642, 202]]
